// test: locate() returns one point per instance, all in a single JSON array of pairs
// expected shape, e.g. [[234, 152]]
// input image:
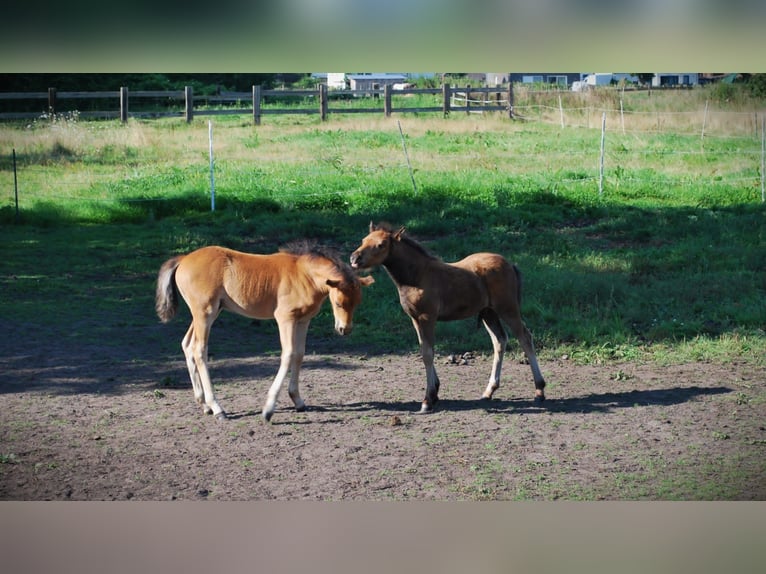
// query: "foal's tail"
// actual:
[[519, 282], [166, 299]]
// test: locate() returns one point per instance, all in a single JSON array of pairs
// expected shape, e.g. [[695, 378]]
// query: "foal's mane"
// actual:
[[409, 241], [313, 250]]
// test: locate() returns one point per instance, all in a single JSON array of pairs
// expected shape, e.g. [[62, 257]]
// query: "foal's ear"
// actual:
[[367, 280], [398, 235], [372, 226]]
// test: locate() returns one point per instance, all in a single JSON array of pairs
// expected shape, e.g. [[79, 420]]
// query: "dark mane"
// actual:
[[409, 241], [418, 247], [314, 250]]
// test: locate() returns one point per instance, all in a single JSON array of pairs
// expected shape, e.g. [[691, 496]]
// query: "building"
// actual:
[[374, 82], [336, 81], [560, 79], [670, 80], [363, 82]]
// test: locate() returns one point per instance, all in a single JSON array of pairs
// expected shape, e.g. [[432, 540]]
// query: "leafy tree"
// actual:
[[644, 78], [202, 83]]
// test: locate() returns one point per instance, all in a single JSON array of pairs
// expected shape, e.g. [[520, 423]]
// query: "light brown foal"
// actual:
[[287, 286]]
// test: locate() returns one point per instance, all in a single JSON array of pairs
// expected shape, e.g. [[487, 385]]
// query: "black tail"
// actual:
[[519, 282]]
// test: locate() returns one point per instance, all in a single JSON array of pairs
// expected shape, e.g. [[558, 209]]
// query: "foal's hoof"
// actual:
[[222, 416], [267, 415], [539, 398], [425, 409]]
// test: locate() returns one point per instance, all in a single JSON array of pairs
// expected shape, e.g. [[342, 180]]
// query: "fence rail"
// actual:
[[453, 99]]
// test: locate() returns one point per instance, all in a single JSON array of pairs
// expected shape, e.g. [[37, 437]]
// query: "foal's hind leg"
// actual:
[[426, 333], [195, 349], [525, 340], [499, 338], [186, 345]]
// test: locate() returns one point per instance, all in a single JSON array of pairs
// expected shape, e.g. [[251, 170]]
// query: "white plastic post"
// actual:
[[561, 111], [704, 121], [212, 176], [407, 156], [622, 115], [763, 158], [601, 170]]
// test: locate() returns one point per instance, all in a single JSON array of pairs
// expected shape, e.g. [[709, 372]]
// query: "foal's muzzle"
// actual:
[[343, 329]]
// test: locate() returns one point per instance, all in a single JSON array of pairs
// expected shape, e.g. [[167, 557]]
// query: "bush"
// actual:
[[756, 85]]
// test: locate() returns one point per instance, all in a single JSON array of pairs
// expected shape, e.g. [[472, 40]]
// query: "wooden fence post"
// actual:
[[123, 104], [52, 101], [387, 100], [189, 111], [257, 105], [446, 94], [323, 102], [510, 98], [468, 99]]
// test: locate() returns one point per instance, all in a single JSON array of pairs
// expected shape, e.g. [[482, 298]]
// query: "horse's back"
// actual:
[[501, 278], [203, 268], [483, 264], [245, 283]]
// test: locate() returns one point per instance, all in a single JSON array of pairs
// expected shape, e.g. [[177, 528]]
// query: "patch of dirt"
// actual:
[[113, 423]]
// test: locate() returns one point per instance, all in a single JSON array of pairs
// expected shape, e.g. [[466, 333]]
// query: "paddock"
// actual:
[[94, 422]]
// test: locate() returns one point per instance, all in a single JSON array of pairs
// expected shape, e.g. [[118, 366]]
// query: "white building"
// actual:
[[663, 80], [336, 81], [374, 81]]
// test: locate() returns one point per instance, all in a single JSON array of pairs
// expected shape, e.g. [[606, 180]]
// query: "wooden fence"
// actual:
[[453, 99]]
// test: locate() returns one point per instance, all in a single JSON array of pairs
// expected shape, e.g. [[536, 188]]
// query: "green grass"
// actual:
[[668, 263]]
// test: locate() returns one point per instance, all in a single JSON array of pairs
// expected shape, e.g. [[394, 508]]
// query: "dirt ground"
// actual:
[[81, 422]]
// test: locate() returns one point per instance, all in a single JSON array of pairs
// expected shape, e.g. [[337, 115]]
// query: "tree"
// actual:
[[204, 83]]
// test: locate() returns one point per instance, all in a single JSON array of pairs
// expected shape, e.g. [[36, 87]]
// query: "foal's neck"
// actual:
[[405, 264]]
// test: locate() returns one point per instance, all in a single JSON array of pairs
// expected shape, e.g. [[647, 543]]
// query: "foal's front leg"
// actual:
[[426, 332], [299, 350], [292, 336]]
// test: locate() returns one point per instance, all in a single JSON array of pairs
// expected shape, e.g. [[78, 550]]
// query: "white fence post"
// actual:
[[601, 169], [763, 158], [212, 176], [561, 111], [704, 121], [407, 156], [622, 115]]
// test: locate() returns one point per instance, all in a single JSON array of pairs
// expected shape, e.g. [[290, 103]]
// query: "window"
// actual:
[[558, 80]]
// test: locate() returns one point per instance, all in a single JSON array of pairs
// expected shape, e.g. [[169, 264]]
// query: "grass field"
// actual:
[[668, 261]]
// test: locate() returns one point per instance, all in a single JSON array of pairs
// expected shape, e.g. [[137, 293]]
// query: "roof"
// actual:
[[377, 76]]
